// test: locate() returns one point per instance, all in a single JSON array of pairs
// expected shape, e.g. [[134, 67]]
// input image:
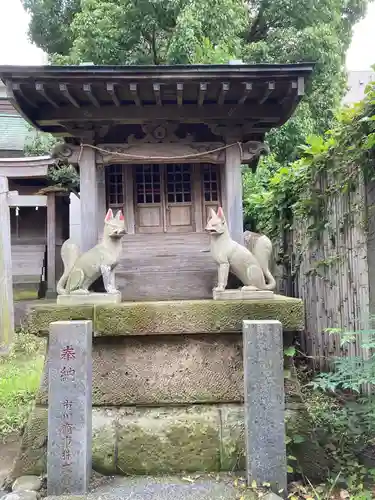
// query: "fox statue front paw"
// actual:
[[219, 288], [112, 290]]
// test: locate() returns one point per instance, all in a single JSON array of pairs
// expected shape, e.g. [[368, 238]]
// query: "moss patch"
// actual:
[[40, 316], [198, 316], [160, 441], [24, 294], [232, 438], [31, 459], [104, 442], [167, 440]]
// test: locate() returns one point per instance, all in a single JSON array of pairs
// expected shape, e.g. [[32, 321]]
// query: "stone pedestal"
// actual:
[[241, 294], [168, 383], [89, 299]]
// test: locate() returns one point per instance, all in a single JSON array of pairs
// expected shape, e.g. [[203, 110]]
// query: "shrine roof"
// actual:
[[73, 100]]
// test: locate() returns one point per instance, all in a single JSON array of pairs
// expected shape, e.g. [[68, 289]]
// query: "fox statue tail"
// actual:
[[69, 255], [261, 247]]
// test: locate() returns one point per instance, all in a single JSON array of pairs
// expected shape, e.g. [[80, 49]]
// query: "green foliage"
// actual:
[[279, 196], [65, 176], [38, 143], [60, 174], [350, 372], [348, 420], [139, 32], [51, 20], [20, 374]]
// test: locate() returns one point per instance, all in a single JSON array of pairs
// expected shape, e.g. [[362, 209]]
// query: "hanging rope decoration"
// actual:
[[161, 158]]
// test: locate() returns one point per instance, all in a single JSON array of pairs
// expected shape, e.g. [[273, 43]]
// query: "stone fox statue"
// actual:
[[250, 268], [81, 271]]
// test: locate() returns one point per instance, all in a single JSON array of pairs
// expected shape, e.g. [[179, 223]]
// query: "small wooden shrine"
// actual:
[[164, 144]]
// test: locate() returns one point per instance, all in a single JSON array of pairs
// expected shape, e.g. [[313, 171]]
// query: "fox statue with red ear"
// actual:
[[228, 254], [81, 271]]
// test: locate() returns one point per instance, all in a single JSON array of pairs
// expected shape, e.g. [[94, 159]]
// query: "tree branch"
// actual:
[[154, 48], [258, 30]]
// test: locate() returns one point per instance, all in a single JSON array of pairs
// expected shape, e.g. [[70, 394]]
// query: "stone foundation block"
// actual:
[[195, 316], [40, 316], [161, 441], [156, 441], [136, 441], [171, 317], [164, 370]]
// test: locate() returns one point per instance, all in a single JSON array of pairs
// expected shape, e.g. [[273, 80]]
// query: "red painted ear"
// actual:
[[120, 215], [109, 215], [220, 213]]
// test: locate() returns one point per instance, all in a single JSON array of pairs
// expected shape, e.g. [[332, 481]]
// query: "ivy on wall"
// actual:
[[278, 197]]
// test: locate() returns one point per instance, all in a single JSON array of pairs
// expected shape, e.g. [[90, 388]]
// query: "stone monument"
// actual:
[[69, 454], [264, 404], [251, 267], [82, 270]]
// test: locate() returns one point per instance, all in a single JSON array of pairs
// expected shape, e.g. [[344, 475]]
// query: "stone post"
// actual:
[[69, 408], [233, 188], [6, 279], [89, 199], [264, 403]]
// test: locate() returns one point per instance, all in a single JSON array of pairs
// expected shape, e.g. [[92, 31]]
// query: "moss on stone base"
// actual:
[[168, 440], [103, 442], [40, 316], [31, 459], [159, 441], [172, 317], [195, 316], [232, 438]]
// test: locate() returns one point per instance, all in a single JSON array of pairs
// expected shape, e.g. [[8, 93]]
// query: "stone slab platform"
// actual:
[[205, 487], [240, 294], [171, 317], [89, 299]]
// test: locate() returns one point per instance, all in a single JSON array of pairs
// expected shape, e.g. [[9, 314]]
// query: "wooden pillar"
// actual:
[[100, 174], [6, 281], [233, 192], [89, 199], [51, 245], [129, 199]]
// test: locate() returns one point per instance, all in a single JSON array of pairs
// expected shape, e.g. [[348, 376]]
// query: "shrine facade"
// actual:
[[164, 144]]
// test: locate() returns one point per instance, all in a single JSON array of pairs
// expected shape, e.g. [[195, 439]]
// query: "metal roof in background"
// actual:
[[14, 131]]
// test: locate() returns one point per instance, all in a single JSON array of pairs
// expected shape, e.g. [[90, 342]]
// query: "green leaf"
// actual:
[[298, 439], [290, 351]]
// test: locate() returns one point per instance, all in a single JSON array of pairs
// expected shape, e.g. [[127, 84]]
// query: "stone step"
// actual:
[[204, 487]]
